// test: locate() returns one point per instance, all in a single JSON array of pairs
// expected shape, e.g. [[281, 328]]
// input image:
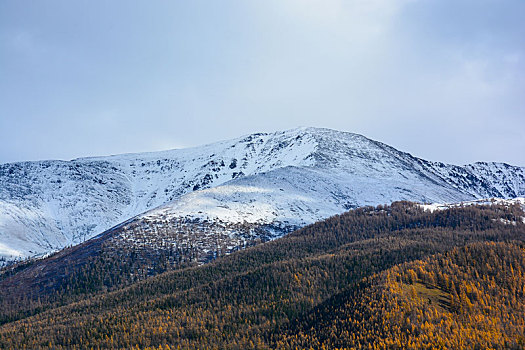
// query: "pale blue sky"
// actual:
[[441, 79]]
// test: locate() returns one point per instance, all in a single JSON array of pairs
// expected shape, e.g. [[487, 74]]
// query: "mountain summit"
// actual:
[[274, 181]]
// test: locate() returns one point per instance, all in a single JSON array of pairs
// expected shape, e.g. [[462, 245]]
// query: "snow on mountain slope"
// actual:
[[489, 201], [299, 196], [293, 177]]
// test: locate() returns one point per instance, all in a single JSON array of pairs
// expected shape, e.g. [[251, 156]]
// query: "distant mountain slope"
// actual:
[[47, 205], [281, 180]]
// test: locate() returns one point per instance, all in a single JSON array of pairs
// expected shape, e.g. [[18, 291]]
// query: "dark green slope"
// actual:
[[264, 296]]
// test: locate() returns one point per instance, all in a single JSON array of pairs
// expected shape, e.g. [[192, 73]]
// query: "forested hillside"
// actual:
[[471, 297], [390, 276]]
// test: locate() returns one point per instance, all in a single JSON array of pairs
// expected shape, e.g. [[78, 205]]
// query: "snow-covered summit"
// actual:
[[296, 176]]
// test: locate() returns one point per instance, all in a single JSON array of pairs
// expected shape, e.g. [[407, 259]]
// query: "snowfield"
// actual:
[[283, 179]]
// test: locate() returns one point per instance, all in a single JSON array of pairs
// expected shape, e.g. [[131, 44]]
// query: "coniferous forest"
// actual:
[[372, 278]]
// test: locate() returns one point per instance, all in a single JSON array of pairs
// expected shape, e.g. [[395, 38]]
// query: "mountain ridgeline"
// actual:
[[257, 187], [396, 276]]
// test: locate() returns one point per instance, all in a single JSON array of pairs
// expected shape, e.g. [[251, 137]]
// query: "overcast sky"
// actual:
[[441, 79]]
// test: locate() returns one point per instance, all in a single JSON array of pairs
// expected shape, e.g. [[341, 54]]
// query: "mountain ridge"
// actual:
[[46, 205]]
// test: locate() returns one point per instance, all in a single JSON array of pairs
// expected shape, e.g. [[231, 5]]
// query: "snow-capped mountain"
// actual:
[[279, 181]]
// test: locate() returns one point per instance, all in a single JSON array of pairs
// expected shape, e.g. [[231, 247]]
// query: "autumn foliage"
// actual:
[[386, 277]]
